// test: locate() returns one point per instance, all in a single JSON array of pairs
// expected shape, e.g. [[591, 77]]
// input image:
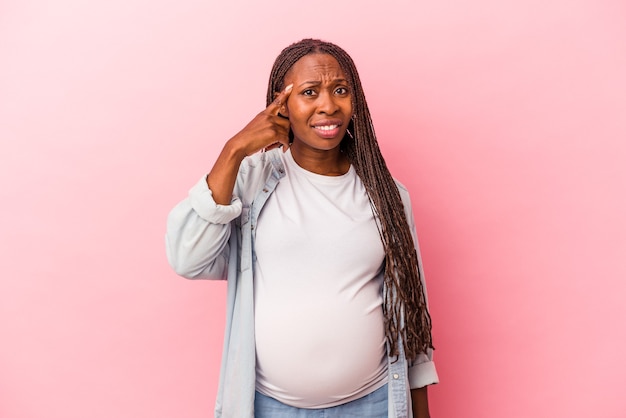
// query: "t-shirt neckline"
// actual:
[[291, 163]]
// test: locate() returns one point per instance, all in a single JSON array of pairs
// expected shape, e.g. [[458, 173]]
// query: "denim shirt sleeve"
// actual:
[[422, 372], [197, 234], [201, 199]]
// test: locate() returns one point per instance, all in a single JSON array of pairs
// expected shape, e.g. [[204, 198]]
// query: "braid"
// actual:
[[404, 308]]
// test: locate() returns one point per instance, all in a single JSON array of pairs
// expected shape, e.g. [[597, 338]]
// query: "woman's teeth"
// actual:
[[326, 128]]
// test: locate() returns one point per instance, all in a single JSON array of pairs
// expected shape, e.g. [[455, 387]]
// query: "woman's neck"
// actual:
[[331, 162]]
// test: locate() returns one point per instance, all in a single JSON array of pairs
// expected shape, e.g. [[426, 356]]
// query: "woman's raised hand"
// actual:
[[267, 130]]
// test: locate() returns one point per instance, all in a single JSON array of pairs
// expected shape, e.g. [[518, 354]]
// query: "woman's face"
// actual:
[[320, 104]]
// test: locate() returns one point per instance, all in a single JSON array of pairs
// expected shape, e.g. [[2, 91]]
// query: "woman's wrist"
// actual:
[[234, 151]]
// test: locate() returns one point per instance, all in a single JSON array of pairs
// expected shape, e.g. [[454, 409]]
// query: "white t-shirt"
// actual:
[[319, 325]]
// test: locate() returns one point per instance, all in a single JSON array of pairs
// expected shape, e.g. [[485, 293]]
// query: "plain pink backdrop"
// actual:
[[506, 120]]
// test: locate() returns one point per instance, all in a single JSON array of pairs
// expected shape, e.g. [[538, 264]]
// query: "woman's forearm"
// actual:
[[419, 398]]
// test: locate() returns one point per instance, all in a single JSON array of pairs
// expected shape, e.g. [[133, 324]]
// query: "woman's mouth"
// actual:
[[327, 131]]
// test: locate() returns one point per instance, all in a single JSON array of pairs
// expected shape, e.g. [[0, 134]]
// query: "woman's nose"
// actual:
[[326, 104]]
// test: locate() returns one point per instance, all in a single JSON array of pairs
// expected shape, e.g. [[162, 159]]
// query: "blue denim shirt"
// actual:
[[205, 240]]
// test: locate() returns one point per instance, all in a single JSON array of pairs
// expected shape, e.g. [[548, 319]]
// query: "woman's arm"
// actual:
[[197, 234], [267, 130], [198, 228], [419, 398], [422, 373]]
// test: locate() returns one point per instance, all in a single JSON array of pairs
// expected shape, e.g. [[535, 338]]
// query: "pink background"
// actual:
[[506, 120]]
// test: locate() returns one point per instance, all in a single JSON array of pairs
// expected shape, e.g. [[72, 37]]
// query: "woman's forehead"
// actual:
[[316, 66]]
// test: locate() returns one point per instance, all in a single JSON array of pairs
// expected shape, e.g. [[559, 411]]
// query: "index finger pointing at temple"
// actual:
[[280, 100]]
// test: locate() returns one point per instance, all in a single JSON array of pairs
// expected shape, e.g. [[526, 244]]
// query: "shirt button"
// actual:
[[396, 375], [265, 190]]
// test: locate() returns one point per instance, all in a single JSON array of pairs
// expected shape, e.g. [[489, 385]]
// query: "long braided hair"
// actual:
[[406, 314]]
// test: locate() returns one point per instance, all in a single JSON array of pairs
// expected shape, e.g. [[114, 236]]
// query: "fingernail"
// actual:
[[288, 88]]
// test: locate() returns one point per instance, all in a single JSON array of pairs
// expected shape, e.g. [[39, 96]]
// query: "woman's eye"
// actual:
[[341, 90], [308, 92]]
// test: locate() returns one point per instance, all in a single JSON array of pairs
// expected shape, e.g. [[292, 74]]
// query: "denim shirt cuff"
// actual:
[[201, 199], [423, 372]]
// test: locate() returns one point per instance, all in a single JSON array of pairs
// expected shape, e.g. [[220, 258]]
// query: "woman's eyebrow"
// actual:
[[317, 82]]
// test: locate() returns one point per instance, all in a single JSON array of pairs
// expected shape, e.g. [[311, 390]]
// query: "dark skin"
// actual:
[[317, 106], [319, 111], [419, 398]]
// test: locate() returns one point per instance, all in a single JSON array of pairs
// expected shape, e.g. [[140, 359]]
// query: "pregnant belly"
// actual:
[[314, 354]]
